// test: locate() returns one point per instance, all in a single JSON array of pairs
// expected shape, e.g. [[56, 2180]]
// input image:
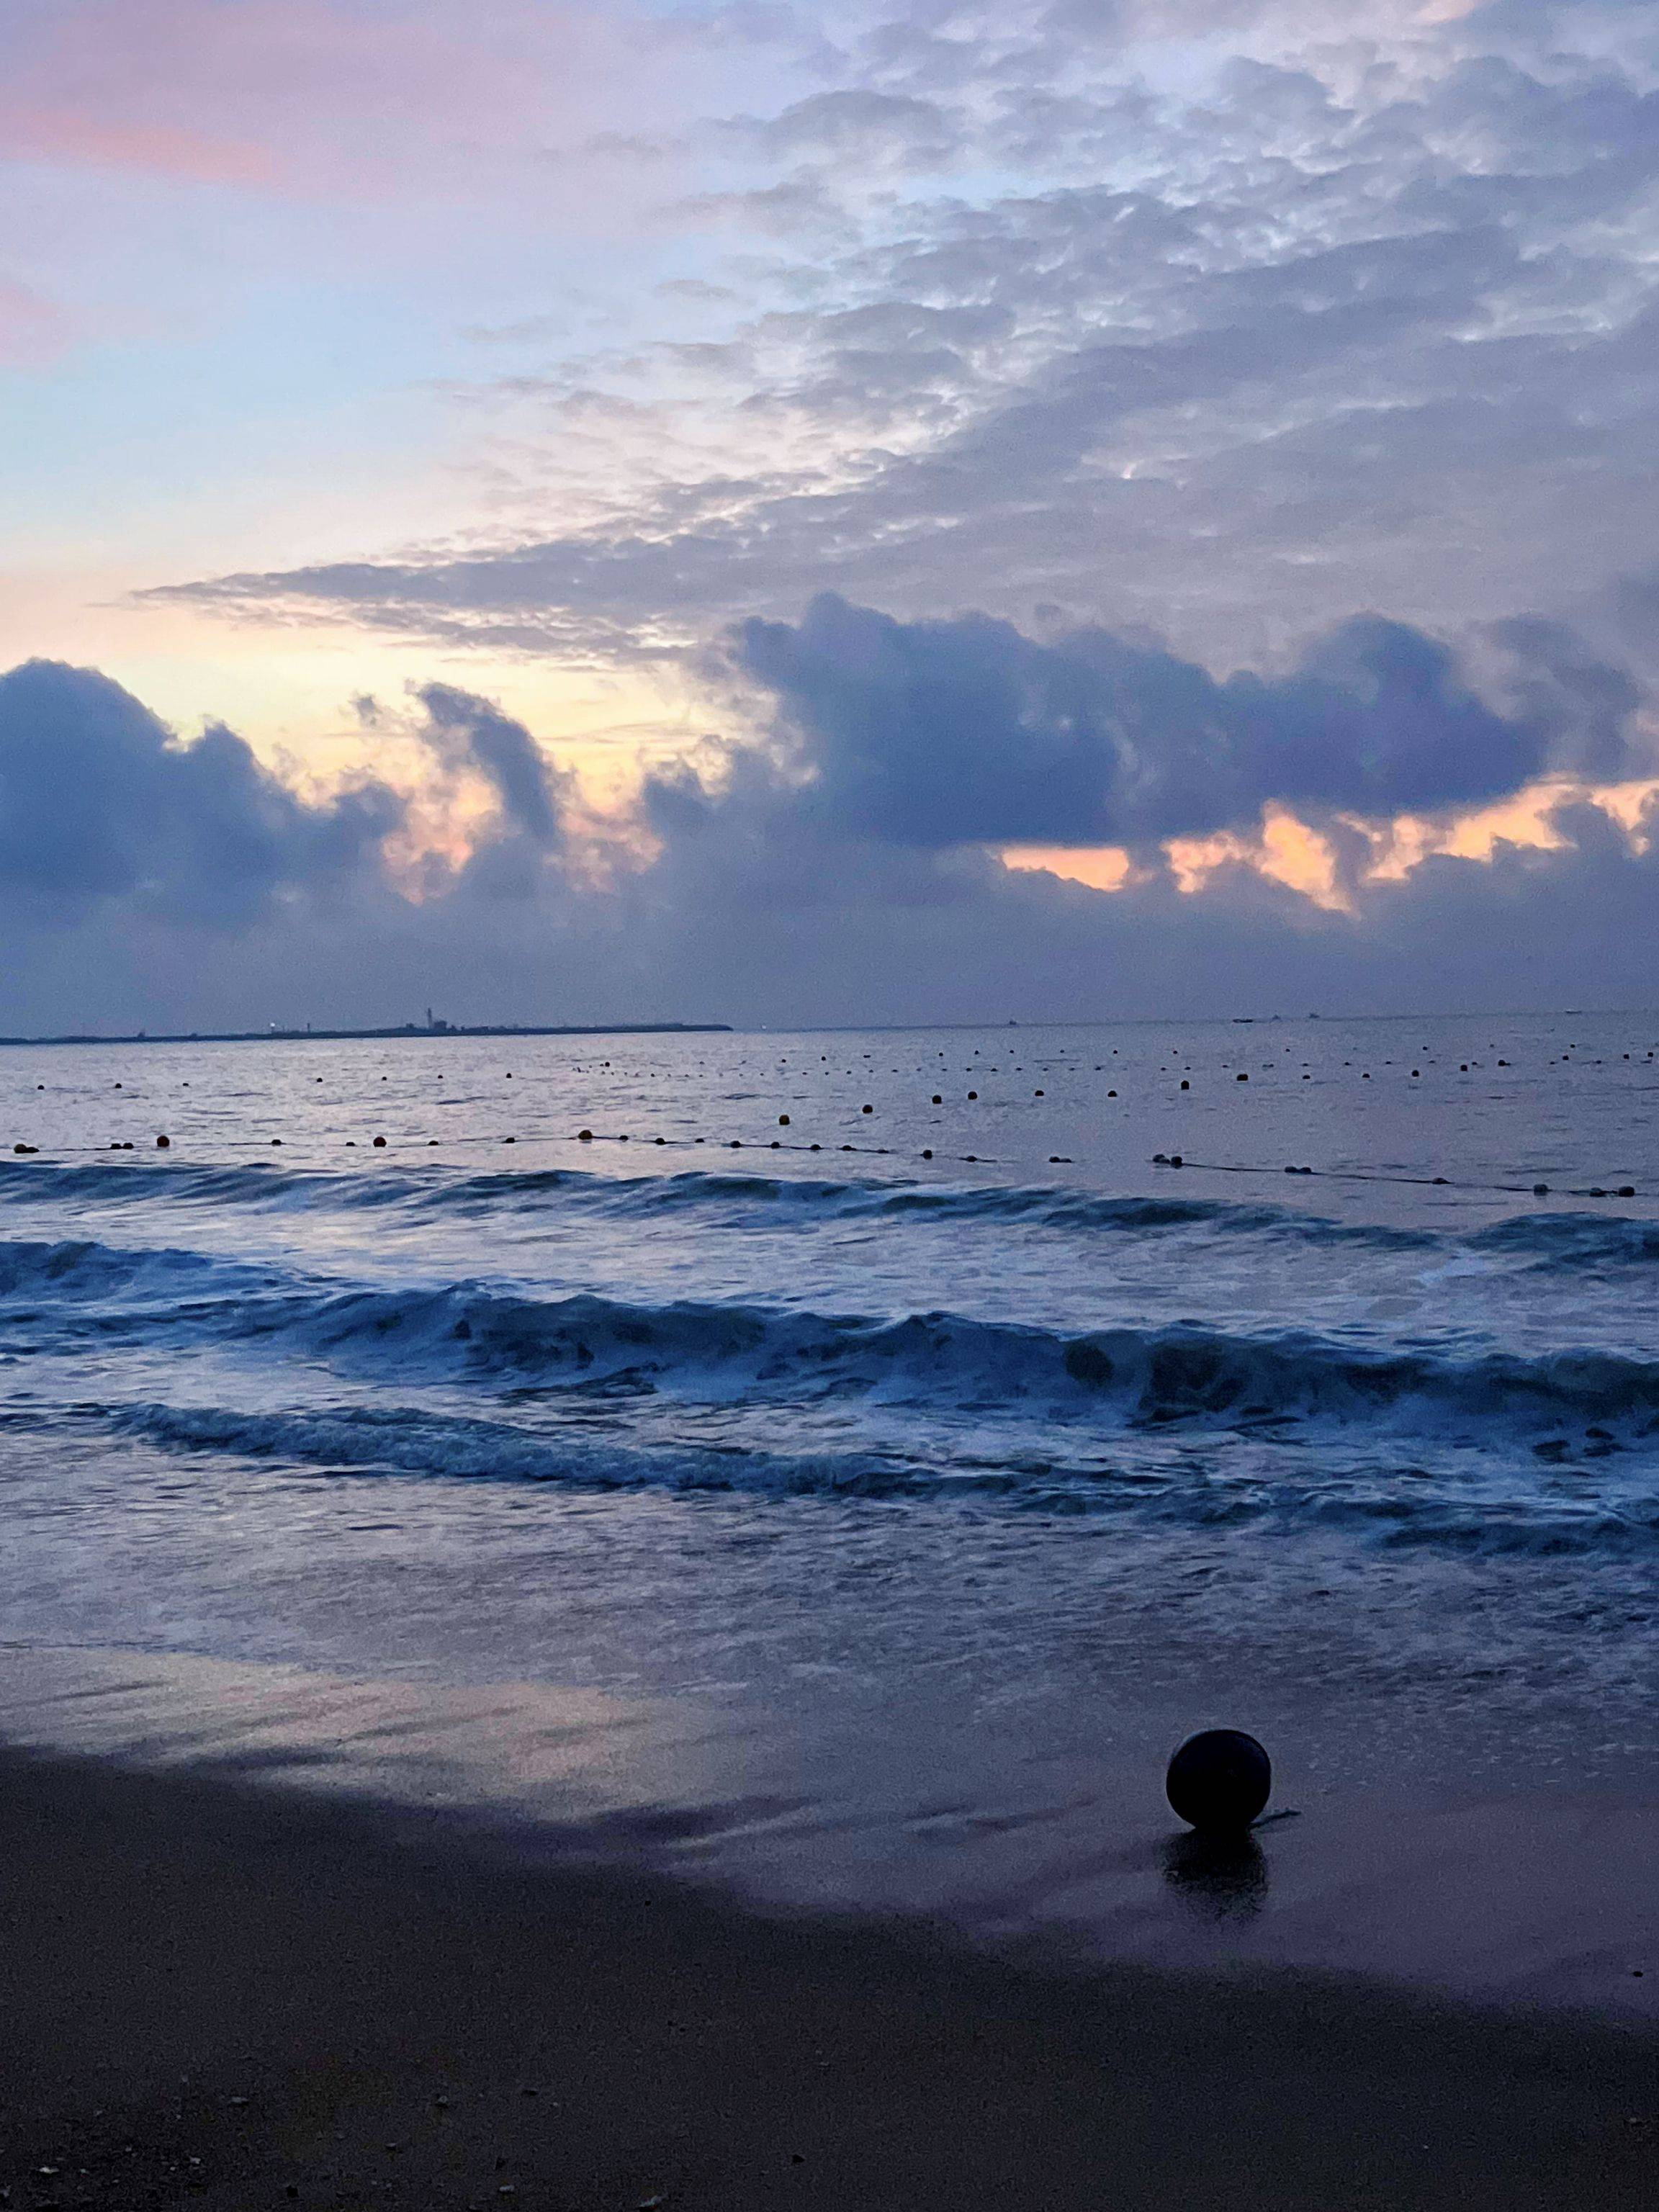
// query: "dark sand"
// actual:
[[221, 1996]]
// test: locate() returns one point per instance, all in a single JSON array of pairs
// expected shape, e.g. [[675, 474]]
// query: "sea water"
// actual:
[[883, 1397]]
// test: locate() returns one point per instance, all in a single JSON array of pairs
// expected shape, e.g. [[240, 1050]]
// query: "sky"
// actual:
[[747, 510]]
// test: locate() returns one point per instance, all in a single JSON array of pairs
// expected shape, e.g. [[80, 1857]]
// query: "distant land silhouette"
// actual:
[[427, 1029]]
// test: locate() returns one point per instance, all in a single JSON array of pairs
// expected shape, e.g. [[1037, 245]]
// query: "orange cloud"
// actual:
[[1289, 852], [1103, 867]]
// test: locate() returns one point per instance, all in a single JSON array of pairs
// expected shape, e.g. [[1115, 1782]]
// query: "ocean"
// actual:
[[881, 1451]]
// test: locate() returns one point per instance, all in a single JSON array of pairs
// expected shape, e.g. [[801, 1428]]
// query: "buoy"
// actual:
[[509, 1141], [973, 1094], [937, 1100], [163, 1144], [26, 1148], [1184, 1084], [867, 1109], [1626, 1190], [783, 1121], [1111, 1094], [586, 1137], [1241, 1078], [1541, 1190], [1219, 1781], [275, 1141], [380, 1143], [928, 1153]]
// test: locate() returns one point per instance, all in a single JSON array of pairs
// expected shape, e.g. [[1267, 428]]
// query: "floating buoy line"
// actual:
[[927, 1153], [579, 1137], [1378, 1175]]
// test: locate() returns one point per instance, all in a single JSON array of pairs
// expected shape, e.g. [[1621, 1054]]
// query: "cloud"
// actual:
[[148, 883], [334, 98], [459, 723], [856, 123], [33, 331], [969, 731], [99, 805], [77, 139], [1227, 339]]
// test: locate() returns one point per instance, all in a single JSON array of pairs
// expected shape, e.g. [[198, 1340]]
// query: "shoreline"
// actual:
[[922, 1815], [228, 1995]]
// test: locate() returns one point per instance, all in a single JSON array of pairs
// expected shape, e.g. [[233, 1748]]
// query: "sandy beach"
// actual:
[[227, 1996]]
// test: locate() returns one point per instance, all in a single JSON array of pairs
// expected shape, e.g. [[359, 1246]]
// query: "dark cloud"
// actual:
[[969, 731], [100, 804], [461, 725], [149, 884]]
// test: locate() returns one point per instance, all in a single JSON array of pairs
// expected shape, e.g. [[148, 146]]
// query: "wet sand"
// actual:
[[922, 1808], [221, 1995]]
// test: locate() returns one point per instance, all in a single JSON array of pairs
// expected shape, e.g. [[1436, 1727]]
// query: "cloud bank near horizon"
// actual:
[[841, 861]]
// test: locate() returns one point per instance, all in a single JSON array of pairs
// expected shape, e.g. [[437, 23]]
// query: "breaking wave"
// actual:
[[483, 1337]]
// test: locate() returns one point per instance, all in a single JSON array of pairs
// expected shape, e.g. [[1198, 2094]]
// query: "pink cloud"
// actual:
[[105, 142], [33, 331], [310, 94]]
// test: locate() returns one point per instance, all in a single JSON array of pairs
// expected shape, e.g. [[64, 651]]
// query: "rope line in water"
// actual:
[[1177, 1160], [1379, 1175], [583, 1136]]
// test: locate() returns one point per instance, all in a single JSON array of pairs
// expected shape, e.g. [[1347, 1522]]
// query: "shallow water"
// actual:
[[1059, 1446]]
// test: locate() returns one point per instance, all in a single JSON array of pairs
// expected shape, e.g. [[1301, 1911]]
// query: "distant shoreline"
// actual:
[[407, 1029]]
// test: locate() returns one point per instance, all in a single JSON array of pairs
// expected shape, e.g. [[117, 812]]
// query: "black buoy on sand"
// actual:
[[1219, 1781]]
